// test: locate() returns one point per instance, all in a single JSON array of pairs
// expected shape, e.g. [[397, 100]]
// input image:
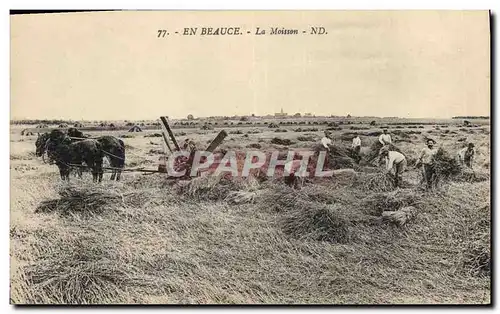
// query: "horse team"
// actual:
[[74, 150]]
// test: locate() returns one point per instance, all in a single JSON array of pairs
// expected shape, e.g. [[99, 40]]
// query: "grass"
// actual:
[[150, 240]]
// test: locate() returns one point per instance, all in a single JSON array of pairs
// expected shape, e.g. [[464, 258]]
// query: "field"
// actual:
[[150, 240]]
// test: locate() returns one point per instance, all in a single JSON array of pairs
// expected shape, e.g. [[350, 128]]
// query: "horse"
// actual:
[[75, 134], [40, 144], [114, 150], [66, 154]]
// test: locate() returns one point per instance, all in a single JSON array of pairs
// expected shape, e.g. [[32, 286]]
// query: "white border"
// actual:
[[210, 5]]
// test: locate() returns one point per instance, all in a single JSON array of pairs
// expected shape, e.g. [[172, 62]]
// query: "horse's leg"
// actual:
[[98, 165], [118, 174], [62, 174]]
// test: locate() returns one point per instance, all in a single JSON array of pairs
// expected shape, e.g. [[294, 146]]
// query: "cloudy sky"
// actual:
[[111, 65]]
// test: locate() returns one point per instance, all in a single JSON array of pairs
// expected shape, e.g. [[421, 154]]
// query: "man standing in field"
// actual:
[[426, 160], [356, 146], [385, 138], [394, 160], [326, 140], [466, 155]]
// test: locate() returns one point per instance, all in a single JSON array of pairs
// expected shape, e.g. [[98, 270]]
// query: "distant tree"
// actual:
[[244, 118], [349, 115], [190, 117], [297, 114], [373, 122]]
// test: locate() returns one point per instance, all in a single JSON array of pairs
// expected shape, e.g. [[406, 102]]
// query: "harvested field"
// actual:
[[215, 239]]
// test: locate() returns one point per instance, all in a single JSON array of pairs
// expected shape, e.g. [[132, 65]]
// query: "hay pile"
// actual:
[[316, 221], [303, 138], [378, 203], [378, 181], [85, 199], [254, 145], [209, 187], [312, 213], [281, 141], [444, 166]]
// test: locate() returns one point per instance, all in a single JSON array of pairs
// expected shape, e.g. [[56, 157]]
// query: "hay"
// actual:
[[469, 175], [241, 197], [306, 138], [317, 222], [254, 145], [477, 256], [400, 217], [84, 199], [374, 182], [378, 203], [281, 141], [444, 166], [84, 269], [209, 187]]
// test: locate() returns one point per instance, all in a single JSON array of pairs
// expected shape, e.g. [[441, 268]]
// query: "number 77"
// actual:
[[162, 32]]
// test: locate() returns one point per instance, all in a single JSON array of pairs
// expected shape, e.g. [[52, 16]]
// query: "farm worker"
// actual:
[[326, 140], [426, 160], [356, 145], [385, 138], [394, 160], [189, 145], [466, 155]]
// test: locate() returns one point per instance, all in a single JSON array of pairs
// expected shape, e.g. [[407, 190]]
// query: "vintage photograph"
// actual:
[[250, 157]]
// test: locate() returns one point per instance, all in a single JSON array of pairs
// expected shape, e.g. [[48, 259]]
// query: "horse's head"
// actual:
[[54, 144], [40, 144]]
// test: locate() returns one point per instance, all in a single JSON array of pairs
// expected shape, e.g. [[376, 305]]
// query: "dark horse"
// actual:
[[67, 154], [112, 147], [75, 134], [114, 150], [40, 144]]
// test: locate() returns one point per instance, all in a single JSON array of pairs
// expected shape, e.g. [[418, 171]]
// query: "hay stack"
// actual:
[[88, 198], [445, 166], [281, 141], [378, 203], [375, 182], [318, 222]]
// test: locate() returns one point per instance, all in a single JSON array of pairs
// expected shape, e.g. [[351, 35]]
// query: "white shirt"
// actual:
[[393, 158], [385, 139], [461, 153], [326, 141], [356, 141], [427, 154]]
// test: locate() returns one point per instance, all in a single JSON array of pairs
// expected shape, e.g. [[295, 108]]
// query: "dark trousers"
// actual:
[[357, 154], [400, 168], [428, 174]]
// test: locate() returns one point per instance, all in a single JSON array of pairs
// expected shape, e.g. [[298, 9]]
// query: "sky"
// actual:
[[112, 65]]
